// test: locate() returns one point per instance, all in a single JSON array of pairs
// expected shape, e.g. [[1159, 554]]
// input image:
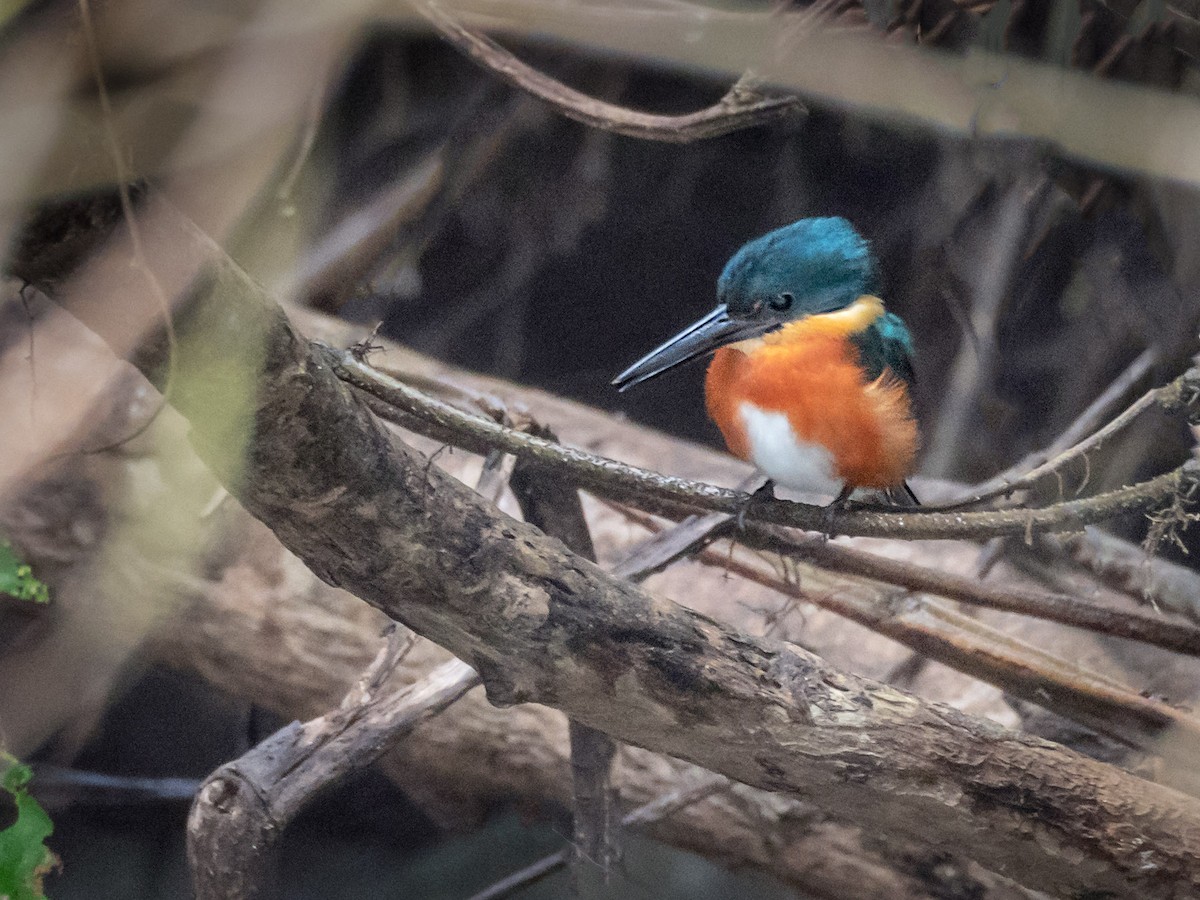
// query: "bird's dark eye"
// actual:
[[782, 303]]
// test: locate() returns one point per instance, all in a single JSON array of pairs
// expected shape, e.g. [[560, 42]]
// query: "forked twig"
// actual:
[[243, 807], [1178, 394]]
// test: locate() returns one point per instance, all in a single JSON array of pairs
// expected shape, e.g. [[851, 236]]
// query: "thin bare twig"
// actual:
[[328, 272], [124, 178], [973, 367], [1102, 408], [1179, 26], [305, 141], [740, 108], [1182, 637], [1130, 569], [33, 379], [1179, 394], [414, 410]]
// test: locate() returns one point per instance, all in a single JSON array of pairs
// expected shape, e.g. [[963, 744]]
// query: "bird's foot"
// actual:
[[840, 503], [766, 492], [901, 497]]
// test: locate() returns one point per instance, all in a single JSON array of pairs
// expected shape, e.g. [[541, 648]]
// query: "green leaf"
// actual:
[[16, 578], [24, 856]]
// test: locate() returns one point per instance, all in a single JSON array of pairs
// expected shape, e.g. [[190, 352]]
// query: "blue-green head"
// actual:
[[810, 267], [823, 265]]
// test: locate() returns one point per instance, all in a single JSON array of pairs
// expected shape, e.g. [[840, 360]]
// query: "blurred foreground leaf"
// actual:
[[24, 827], [9, 9], [16, 578]]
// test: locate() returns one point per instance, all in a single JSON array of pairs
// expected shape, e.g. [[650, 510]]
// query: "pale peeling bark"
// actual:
[[243, 808], [540, 624]]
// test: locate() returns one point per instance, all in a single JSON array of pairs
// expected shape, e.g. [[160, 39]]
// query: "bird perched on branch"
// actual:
[[810, 377]]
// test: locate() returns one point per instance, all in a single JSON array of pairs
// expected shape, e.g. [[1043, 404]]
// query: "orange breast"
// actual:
[[814, 378]]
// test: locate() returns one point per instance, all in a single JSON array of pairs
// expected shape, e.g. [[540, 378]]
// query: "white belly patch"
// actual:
[[785, 460]]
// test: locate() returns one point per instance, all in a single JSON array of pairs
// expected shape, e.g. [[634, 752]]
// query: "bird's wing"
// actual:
[[886, 344]]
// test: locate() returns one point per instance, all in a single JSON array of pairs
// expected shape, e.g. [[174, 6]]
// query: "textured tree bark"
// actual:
[[538, 623], [555, 508], [258, 625], [230, 633]]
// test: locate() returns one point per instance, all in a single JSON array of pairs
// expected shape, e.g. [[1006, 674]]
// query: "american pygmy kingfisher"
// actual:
[[810, 378]]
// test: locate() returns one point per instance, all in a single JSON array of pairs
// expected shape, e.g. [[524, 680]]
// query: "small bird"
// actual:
[[810, 379]]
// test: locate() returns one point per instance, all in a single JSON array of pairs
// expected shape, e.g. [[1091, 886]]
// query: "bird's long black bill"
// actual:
[[715, 330]]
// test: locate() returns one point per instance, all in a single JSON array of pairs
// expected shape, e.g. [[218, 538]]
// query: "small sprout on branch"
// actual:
[[367, 345]]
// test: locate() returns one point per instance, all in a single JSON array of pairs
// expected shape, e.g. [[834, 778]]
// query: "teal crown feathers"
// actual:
[[823, 263]]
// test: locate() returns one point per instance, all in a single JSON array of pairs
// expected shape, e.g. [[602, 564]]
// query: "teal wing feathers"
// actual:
[[886, 344]]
